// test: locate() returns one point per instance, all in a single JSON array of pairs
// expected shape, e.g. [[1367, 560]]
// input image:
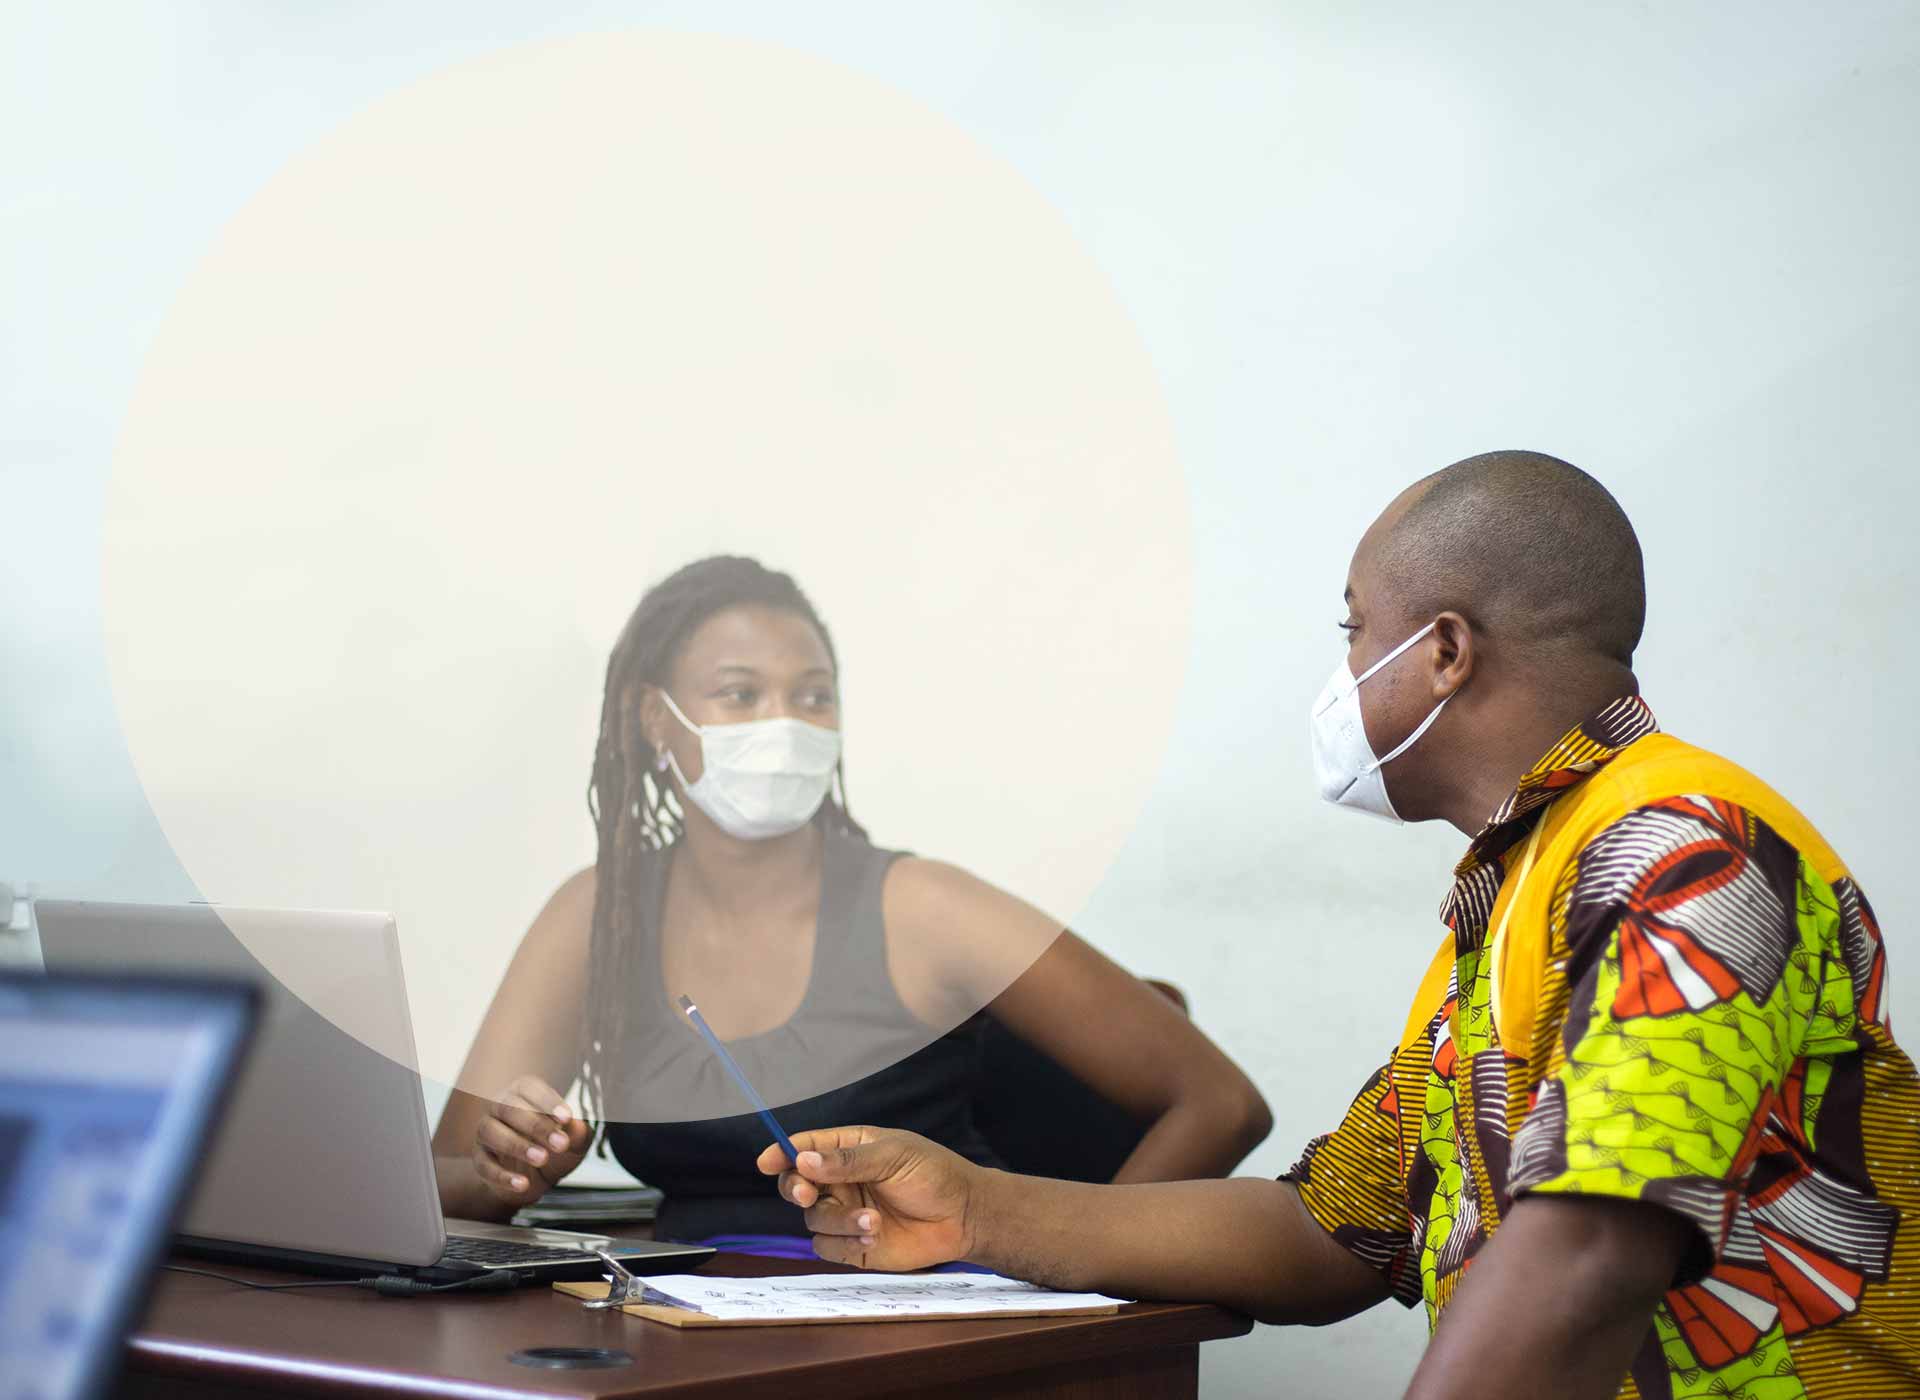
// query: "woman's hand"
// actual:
[[529, 1140], [880, 1198]]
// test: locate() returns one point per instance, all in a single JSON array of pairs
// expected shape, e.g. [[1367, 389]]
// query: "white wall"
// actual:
[[1673, 245]]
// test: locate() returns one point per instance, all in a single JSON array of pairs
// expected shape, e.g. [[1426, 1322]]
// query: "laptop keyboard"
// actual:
[[471, 1249]]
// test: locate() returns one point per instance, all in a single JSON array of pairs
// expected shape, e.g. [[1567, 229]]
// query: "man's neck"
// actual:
[[1518, 734]]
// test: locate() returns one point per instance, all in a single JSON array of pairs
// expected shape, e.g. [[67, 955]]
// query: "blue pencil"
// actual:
[[740, 1078]]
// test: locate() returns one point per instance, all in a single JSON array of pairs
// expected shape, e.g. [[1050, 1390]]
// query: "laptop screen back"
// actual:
[[108, 1090], [325, 1150]]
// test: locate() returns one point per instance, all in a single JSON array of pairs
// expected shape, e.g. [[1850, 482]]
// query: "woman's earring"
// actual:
[[660, 761]]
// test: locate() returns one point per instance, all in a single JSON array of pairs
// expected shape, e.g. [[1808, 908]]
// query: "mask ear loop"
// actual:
[[668, 697], [672, 762], [1409, 741], [1390, 656], [1424, 724]]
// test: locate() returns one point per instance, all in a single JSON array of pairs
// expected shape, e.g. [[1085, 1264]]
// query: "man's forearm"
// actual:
[[1245, 1242]]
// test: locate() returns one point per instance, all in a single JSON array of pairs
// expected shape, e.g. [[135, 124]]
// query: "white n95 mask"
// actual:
[[760, 779], [1344, 767]]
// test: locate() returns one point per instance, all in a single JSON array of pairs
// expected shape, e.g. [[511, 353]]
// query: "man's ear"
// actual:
[[1453, 654]]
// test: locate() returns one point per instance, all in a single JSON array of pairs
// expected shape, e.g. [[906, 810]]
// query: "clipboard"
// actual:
[[690, 1318]]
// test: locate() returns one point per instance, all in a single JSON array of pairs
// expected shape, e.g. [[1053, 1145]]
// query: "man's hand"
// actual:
[[878, 1197], [883, 1199]]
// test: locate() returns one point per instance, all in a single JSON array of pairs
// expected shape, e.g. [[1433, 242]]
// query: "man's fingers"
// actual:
[[853, 1218], [866, 1161], [841, 1249], [772, 1161], [798, 1189]]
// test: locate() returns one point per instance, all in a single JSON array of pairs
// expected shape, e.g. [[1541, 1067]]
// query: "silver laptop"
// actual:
[[324, 1162]]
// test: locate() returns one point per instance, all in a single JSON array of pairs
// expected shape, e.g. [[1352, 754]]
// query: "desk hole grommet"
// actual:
[[572, 1358]]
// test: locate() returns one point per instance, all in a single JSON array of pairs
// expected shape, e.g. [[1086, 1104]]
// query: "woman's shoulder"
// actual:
[[928, 894], [577, 889], [568, 913], [954, 941], [918, 875], [922, 877]]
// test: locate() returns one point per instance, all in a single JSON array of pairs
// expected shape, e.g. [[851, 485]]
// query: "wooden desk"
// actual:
[[202, 1337]]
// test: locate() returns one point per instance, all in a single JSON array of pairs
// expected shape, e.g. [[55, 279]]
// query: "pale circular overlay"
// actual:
[[517, 341]]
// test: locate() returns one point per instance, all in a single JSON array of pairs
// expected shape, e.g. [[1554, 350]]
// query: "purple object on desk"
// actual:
[[801, 1247]]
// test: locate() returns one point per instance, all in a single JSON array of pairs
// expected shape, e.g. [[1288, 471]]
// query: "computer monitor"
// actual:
[[109, 1087]]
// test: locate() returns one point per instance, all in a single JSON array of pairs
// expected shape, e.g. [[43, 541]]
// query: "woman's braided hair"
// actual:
[[635, 810]]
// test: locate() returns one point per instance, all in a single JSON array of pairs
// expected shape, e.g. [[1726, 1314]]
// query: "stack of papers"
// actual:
[[847, 1298], [576, 1207]]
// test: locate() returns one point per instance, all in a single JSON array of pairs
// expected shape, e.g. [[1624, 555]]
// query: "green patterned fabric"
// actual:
[[1711, 1039]]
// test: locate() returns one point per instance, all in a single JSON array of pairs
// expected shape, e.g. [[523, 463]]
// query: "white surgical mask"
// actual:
[[1344, 767], [760, 779]]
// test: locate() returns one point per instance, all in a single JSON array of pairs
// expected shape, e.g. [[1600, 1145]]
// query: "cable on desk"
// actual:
[[269, 1287], [386, 1285]]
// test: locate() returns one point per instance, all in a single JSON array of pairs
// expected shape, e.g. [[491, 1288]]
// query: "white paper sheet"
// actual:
[[865, 1295]]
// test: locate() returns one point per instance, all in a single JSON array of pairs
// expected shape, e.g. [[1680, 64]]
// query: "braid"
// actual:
[[635, 812]]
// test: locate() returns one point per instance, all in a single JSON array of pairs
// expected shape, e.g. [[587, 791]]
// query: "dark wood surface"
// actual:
[[202, 1337]]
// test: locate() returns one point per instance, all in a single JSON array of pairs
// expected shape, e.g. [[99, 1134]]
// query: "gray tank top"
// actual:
[[850, 1008]]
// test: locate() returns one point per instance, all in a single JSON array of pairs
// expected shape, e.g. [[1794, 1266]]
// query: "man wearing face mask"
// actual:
[[1645, 1131]]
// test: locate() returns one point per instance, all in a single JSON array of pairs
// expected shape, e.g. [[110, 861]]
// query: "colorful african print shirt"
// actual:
[[1708, 1031]]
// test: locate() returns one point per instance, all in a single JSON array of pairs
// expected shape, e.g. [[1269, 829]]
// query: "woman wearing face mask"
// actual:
[[730, 869]]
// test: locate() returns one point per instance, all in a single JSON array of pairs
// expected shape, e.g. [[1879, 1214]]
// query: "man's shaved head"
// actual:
[[1530, 549]]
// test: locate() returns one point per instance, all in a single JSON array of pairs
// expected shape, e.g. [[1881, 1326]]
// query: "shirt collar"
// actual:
[[1581, 752]]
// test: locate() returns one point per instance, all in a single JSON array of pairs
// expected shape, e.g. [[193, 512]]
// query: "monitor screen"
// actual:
[[108, 1087]]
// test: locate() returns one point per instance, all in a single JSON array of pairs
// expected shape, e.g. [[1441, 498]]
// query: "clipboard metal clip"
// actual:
[[625, 1287]]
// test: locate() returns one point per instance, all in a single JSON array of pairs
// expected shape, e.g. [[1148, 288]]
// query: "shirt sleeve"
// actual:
[[1353, 1182], [1690, 992]]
